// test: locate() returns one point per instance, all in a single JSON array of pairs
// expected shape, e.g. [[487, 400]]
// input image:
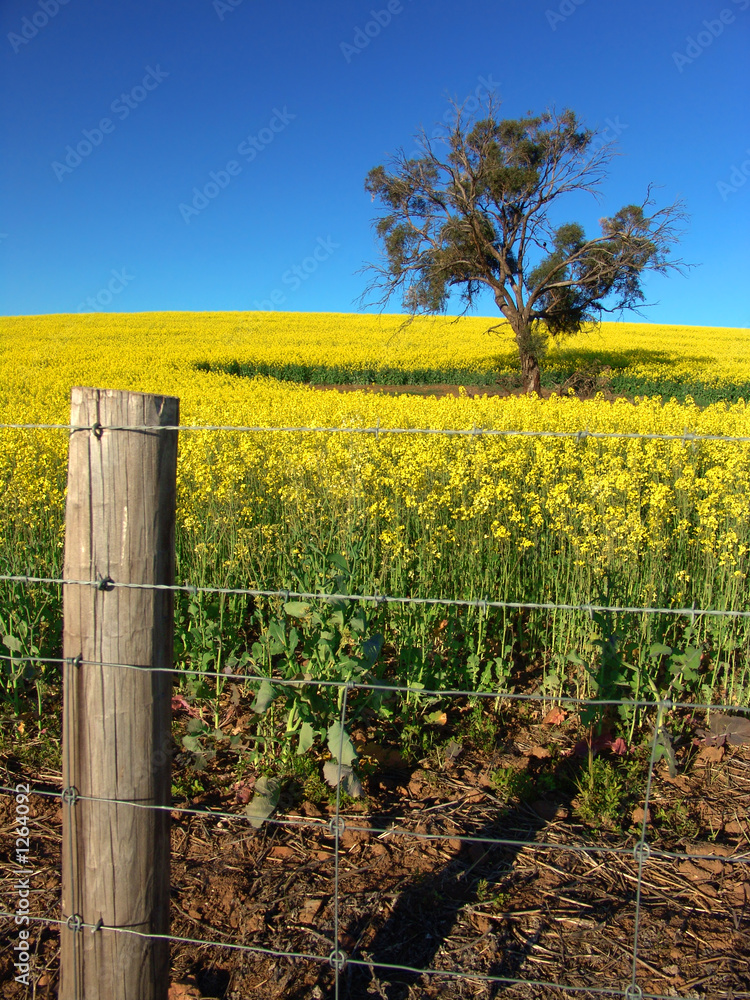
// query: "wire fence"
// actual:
[[687, 437], [337, 959], [335, 955]]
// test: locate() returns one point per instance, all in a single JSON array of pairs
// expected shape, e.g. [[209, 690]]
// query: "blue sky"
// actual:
[[117, 114]]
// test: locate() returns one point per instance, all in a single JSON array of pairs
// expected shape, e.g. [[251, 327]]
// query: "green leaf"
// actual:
[[297, 609], [191, 743], [382, 702], [659, 649], [588, 714], [346, 667], [195, 726], [350, 783], [435, 717], [691, 663], [663, 748], [573, 657], [306, 738], [199, 690], [340, 744], [12, 643], [358, 622], [371, 648], [265, 800], [337, 602], [339, 561], [277, 632], [264, 697], [293, 639], [337, 619]]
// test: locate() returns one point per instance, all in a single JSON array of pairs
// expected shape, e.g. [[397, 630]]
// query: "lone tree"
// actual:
[[479, 218]]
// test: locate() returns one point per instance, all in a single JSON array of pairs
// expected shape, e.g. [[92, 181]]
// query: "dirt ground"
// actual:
[[421, 884]]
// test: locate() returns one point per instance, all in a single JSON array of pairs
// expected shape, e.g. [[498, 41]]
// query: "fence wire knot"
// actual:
[[642, 851], [75, 661], [336, 825], [70, 795], [105, 583], [633, 992], [337, 959], [97, 430], [97, 926], [74, 922]]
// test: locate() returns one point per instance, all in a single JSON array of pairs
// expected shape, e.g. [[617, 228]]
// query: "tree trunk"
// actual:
[[532, 377], [530, 348]]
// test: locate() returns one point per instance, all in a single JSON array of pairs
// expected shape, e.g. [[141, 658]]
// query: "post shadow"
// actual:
[[427, 910]]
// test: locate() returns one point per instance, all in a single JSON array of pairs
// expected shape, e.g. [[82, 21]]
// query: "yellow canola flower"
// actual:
[[600, 504]]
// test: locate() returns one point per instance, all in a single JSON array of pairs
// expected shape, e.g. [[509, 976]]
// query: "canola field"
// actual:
[[623, 521]]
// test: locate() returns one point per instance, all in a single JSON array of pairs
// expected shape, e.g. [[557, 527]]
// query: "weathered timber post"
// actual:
[[116, 720]]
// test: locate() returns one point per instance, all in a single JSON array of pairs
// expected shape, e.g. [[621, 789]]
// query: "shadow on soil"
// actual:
[[427, 910]]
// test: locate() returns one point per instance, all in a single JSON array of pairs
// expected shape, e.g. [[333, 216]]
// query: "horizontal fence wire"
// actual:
[[228, 674], [478, 603], [627, 992], [581, 435], [394, 830], [641, 851]]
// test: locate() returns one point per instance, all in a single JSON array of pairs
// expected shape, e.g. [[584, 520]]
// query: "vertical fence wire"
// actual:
[[338, 956], [73, 919], [642, 852]]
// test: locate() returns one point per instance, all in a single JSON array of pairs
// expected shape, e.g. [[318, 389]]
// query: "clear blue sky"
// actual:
[[290, 93]]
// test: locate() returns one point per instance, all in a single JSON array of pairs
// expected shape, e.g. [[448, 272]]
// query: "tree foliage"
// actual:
[[475, 215]]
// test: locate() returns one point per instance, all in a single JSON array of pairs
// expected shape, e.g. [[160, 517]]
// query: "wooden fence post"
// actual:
[[116, 721]]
